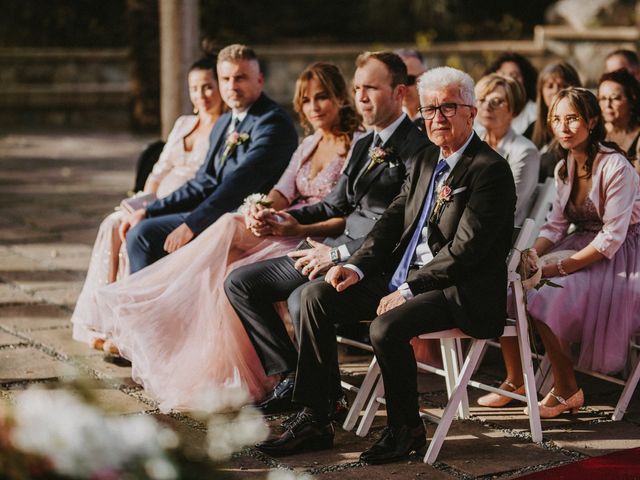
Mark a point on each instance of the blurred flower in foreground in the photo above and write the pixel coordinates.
(287, 475)
(82, 441)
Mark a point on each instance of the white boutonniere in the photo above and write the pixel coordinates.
(378, 155)
(233, 140)
(252, 200)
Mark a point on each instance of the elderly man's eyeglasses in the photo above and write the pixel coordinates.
(446, 109)
(571, 121)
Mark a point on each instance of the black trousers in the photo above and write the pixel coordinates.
(322, 307)
(252, 290)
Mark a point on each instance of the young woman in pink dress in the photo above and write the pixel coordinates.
(598, 307)
(173, 320)
(181, 157)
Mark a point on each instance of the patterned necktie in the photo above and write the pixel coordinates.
(400, 275)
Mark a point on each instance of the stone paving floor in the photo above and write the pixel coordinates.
(55, 189)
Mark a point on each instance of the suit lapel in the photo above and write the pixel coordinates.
(427, 165)
(394, 146)
(244, 126)
(455, 180)
(217, 137)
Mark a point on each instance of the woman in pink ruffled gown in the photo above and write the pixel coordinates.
(173, 320)
(598, 307)
(179, 161)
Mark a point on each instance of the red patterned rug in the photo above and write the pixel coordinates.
(622, 465)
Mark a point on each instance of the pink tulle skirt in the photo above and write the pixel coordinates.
(174, 322)
(597, 310)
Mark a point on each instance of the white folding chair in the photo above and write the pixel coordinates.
(458, 380)
(544, 194)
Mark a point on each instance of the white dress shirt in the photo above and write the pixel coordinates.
(423, 254)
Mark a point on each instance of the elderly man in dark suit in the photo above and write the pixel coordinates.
(250, 147)
(435, 260)
(378, 166)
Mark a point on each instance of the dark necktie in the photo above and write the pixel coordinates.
(227, 148)
(400, 275)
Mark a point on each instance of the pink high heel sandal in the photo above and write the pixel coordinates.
(495, 400)
(573, 404)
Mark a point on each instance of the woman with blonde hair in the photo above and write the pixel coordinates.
(498, 98)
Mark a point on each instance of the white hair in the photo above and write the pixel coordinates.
(440, 78)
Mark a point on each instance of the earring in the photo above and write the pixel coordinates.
(591, 131)
(195, 111)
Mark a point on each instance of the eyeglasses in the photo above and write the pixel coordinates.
(411, 80)
(572, 121)
(446, 109)
(492, 103)
(615, 99)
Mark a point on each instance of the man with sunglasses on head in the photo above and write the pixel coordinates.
(435, 260)
(415, 67)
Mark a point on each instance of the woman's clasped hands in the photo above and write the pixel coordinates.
(264, 221)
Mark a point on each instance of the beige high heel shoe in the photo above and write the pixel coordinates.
(110, 347)
(495, 400)
(573, 403)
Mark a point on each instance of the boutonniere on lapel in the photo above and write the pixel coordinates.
(443, 196)
(233, 140)
(378, 155)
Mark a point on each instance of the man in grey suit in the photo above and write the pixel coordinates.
(379, 163)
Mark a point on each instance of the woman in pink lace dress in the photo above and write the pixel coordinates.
(589, 319)
(173, 320)
(181, 157)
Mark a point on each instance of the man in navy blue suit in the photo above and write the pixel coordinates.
(250, 147)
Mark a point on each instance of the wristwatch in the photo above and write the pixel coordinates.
(334, 254)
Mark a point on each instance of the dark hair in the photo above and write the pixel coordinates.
(332, 80)
(631, 89)
(629, 55)
(541, 135)
(208, 62)
(392, 61)
(529, 72)
(586, 105)
(410, 53)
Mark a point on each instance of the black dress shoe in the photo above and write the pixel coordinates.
(303, 434)
(397, 443)
(279, 400)
(340, 409)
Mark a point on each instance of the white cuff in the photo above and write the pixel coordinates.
(344, 252)
(355, 269)
(405, 291)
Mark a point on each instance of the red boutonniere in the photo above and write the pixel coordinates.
(443, 196)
